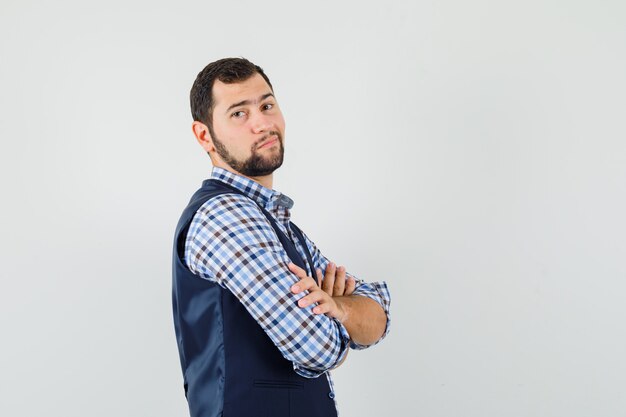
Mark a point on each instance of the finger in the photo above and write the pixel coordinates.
(329, 278)
(300, 273)
(315, 296)
(325, 303)
(327, 306)
(320, 277)
(350, 286)
(323, 308)
(307, 283)
(340, 281)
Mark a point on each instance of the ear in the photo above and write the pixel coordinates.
(201, 132)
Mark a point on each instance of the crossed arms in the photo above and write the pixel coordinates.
(364, 319)
(245, 257)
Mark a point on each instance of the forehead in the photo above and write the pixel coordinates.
(224, 95)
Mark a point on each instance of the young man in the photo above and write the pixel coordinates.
(256, 333)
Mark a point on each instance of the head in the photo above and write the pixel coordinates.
(236, 117)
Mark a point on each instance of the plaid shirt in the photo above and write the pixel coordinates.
(231, 242)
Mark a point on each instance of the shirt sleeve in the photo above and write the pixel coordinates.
(377, 291)
(230, 242)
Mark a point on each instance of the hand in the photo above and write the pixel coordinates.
(326, 304)
(334, 282)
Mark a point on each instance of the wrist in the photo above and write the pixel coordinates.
(343, 309)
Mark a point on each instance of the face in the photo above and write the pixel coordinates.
(248, 126)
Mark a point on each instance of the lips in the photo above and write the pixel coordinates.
(273, 139)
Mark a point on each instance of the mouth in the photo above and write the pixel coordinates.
(270, 141)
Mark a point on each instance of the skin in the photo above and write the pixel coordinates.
(257, 126)
(248, 123)
(334, 281)
(363, 318)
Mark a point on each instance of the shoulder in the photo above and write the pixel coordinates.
(232, 215)
(229, 204)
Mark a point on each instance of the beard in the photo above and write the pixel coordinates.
(256, 165)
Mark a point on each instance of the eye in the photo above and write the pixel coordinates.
(268, 106)
(238, 114)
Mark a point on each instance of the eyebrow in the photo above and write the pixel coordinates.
(246, 102)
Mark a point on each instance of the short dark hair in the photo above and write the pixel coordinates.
(228, 71)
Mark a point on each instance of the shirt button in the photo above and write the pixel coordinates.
(331, 395)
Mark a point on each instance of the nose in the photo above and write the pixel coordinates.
(260, 122)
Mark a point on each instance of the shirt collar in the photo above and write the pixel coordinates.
(262, 195)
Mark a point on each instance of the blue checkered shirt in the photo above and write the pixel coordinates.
(231, 242)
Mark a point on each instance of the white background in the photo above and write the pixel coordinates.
(471, 154)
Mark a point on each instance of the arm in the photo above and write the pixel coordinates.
(364, 319)
(230, 242)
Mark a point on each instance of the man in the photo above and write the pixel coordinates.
(256, 333)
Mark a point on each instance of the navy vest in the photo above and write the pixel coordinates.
(230, 366)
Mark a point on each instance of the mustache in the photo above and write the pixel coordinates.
(264, 138)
